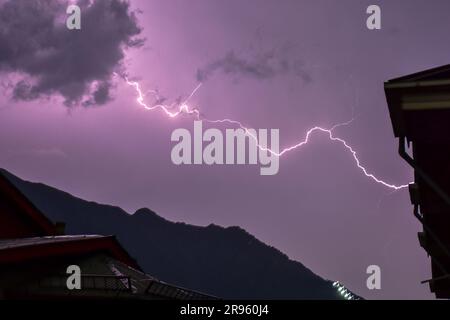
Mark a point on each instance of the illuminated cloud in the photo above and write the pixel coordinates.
(262, 66)
(50, 59)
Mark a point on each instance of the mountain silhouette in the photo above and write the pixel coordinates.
(226, 262)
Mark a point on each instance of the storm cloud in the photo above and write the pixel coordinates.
(262, 66)
(45, 58)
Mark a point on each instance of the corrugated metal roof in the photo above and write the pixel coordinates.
(144, 284)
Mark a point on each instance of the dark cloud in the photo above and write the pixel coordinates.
(262, 66)
(50, 59)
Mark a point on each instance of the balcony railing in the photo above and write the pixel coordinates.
(90, 282)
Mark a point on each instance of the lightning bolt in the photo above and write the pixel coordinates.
(182, 108)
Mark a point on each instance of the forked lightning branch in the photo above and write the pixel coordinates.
(261, 142)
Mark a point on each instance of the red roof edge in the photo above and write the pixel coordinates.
(83, 246)
(39, 219)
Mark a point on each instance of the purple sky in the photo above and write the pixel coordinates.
(320, 209)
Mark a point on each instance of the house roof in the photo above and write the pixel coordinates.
(27, 249)
(47, 243)
(442, 72)
(419, 103)
(28, 210)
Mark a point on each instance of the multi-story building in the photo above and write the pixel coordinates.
(419, 105)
